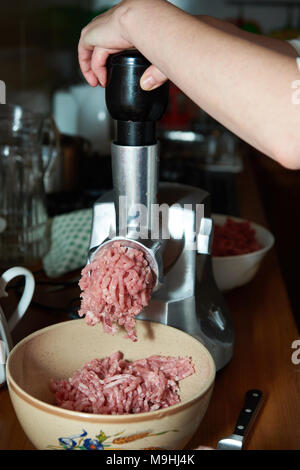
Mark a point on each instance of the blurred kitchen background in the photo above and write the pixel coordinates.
(38, 62)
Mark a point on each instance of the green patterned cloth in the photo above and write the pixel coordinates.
(70, 238)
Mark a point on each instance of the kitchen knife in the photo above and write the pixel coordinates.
(252, 405)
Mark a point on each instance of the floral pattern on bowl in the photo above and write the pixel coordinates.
(101, 441)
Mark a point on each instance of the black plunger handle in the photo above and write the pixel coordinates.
(135, 110)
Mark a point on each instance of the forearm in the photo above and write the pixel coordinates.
(271, 43)
(242, 80)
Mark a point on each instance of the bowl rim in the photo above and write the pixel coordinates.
(103, 418)
(253, 225)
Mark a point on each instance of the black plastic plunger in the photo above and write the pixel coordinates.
(135, 110)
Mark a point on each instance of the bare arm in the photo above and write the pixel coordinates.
(243, 80)
(265, 41)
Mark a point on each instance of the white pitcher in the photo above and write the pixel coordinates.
(6, 327)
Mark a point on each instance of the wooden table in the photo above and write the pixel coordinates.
(264, 329)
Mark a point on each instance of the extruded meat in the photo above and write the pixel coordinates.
(116, 286)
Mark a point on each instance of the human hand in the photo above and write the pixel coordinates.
(107, 34)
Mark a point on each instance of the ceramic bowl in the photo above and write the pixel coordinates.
(234, 271)
(57, 351)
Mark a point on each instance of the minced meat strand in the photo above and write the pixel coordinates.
(116, 286)
(115, 386)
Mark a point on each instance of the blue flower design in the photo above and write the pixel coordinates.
(69, 443)
(92, 444)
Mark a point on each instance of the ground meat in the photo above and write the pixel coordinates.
(115, 386)
(234, 238)
(116, 286)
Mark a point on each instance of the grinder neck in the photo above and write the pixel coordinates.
(135, 181)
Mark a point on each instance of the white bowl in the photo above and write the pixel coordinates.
(234, 271)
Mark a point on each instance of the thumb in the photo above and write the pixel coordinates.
(152, 78)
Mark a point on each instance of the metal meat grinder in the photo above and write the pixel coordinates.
(169, 222)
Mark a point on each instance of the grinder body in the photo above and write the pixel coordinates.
(185, 294)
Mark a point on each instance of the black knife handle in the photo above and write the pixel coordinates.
(253, 401)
